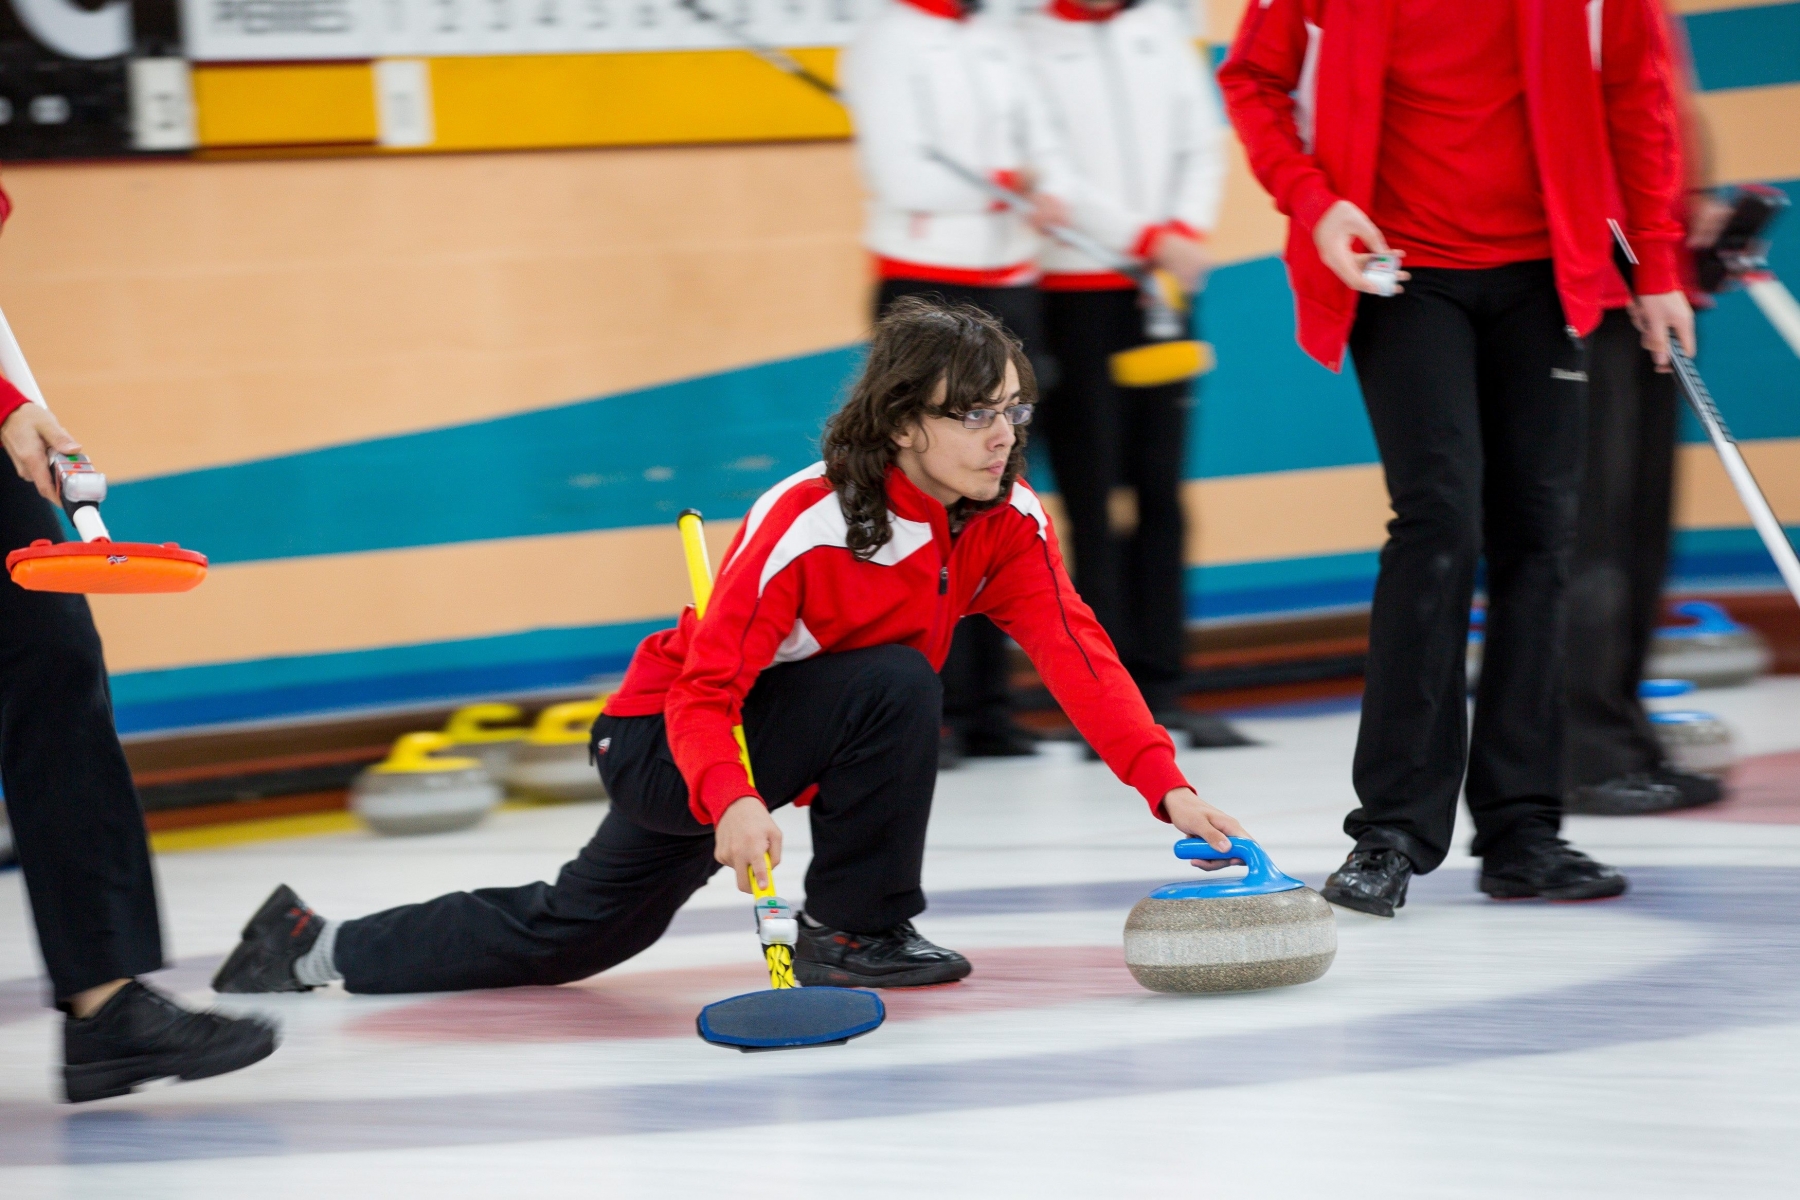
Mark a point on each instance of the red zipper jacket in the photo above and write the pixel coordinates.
(11, 398)
(790, 588)
(1601, 100)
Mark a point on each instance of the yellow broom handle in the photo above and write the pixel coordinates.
(699, 565)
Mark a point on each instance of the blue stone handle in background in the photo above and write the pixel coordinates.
(1261, 876)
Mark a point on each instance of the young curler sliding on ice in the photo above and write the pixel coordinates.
(832, 613)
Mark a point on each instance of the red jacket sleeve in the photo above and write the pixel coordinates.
(1637, 80)
(1258, 81)
(1028, 594)
(11, 399)
(745, 624)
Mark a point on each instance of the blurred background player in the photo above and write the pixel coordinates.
(1616, 763)
(1129, 101)
(924, 75)
(76, 821)
(1414, 127)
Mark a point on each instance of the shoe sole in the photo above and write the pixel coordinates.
(122, 1076)
(811, 974)
(1598, 889)
(1373, 908)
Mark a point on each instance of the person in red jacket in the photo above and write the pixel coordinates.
(832, 613)
(1481, 142)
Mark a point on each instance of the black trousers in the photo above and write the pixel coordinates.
(1476, 392)
(1621, 556)
(976, 693)
(75, 815)
(863, 725)
(1102, 437)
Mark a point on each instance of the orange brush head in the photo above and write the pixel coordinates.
(103, 566)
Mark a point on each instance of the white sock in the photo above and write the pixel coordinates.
(316, 967)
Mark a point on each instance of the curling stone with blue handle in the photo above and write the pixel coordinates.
(1715, 651)
(414, 792)
(488, 732)
(1695, 742)
(1263, 930)
(552, 763)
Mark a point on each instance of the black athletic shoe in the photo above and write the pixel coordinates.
(998, 739)
(140, 1035)
(897, 957)
(1550, 868)
(1371, 881)
(1626, 796)
(276, 938)
(1204, 730)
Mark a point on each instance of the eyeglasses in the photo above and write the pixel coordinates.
(981, 418)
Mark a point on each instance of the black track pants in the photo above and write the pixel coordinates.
(975, 673)
(1101, 437)
(1621, 556)
(863, 725)
(1476, 392)
(74, 812)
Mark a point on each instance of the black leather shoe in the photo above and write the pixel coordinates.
(1204, 730)
(897, 957)
(277, 937)
(1550, 868)
(998, 739)
(140, 1035)
(1628, 795)
(1697, 791)
(1371, 881)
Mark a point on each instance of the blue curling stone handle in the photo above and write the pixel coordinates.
(1261, 877)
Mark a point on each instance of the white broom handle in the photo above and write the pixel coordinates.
(1761, 515)
(13, 365)
(1777, 304)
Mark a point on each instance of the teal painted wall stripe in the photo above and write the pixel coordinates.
(1746, 47)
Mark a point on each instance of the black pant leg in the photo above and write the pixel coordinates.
(1621, 553)
(976, 689)
(863, 726)
(1533, 407)
(1156, 552)
(1082, 426)
(1415, 357)
(75, 814)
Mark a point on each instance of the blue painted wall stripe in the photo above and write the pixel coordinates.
(1746, 47)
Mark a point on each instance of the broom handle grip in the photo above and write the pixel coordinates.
(14, 366)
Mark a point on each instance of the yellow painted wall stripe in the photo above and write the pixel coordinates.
(1754, 133)
(284, 105)
(239, 833)
(389, 598)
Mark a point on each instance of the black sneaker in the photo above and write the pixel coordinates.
(140, 1035)
(1204, 730)
(1626, 796)
(276, 938)
(998, 739)
(1371, 881)
(897, 957)
(1551, 869)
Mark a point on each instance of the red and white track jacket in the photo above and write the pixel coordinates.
(915, 80)
(790, 588)
(1304, 85)
(11, 398)
(1130, 100)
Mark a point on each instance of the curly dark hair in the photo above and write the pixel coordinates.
(920, 341)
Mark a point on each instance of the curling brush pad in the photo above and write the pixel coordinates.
(106, 567)
(791, 1018)
(1160, 363)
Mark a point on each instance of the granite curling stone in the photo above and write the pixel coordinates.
(1695, 742)
(488, 732)
(413, 792)
(1714, 651)
(1264, 930)
(552, 763)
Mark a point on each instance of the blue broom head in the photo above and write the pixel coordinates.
(790, 1018)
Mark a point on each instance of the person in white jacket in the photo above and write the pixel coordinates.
(936, 75)
(1127, 96)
